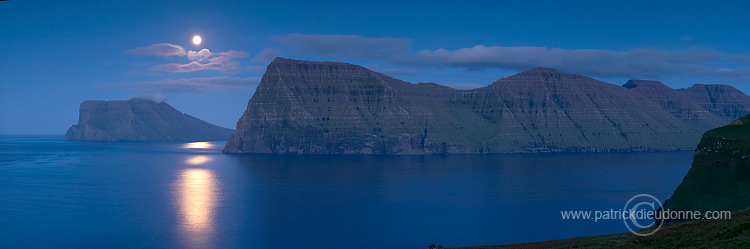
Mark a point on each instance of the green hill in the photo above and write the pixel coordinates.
(720, 176)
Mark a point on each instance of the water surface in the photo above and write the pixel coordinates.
(56, 194)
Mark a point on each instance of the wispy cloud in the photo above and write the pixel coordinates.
(266, 55)
(217, 64)
(198, 60)
(161, 49)
(206, 60)
(632, 63)
(203, 59)
(205, 54)
(347, 45)
(596, 62)
(191, 85)
(201, 55)
(234, 54)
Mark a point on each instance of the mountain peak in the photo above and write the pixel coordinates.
(278, 60)
(141, 100)
(544, 72)
(644, 83)
(292, 64)
(721, 87)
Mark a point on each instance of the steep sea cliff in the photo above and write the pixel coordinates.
(305, 107)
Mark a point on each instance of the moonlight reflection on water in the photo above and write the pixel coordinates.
(196, 198)
(198, 145)
(198, 160)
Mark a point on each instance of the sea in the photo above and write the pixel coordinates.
(61, 194)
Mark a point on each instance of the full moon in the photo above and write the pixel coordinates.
(197, 40)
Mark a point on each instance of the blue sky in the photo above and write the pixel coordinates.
(56, 54)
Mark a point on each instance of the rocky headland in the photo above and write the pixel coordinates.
(719, 179)
(140, 120)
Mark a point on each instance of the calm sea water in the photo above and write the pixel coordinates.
(57, 194)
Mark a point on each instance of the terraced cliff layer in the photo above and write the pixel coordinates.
(139, 120)
(719, 179)
(337, 108)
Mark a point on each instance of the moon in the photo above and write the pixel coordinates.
(197, 40)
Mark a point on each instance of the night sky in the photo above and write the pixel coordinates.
(56, 54)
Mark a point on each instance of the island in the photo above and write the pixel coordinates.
(140, 120)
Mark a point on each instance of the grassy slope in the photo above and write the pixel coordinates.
(733, 233)
(720, 176)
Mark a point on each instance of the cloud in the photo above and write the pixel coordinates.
(595, 62)
(206, 60)
(266, 55)
(347, 45)
(738, 74)
(156, 97)
(205, 54)
(221, 64)
(632, 63)
(161, 49)
(191, 85)
(202, 55)
(234, 54)
(199, 60)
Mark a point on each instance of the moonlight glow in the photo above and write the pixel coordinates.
(197, 40)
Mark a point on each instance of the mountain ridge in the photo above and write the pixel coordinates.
(308, 107)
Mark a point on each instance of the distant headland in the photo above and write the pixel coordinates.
(140, 120)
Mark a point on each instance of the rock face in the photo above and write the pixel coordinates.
(140, 120)
(719, 179)
(337, 108)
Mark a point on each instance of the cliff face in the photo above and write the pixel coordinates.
(719, 178)
(140, 120)
(335, 108)
(338, 108)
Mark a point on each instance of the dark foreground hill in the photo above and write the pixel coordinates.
(140, 120)
(719, 178)
(309, 107)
